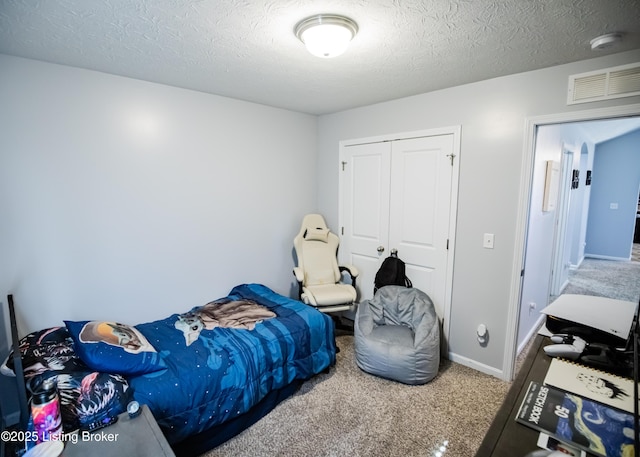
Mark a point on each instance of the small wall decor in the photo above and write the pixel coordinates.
(551, 184)
(588, 180)
(575, 180)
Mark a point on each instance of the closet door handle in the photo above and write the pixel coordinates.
(381, 249)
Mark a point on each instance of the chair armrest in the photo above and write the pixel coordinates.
(351, 269)
(427, 332)
(364, 322)
(299, 274)
(353, 272)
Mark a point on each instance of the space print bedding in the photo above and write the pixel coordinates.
(196, 371)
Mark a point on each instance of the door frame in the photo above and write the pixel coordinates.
(560, 238)
(524, 208)
(453, 210)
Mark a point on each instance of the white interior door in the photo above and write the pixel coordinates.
(365, 208)
(401, 194)
(419, 216)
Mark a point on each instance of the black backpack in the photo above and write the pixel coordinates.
(391, 273)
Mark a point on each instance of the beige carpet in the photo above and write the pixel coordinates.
(350, 413)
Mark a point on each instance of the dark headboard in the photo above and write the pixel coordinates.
(17, 366)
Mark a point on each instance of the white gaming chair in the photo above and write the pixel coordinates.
(318, 273)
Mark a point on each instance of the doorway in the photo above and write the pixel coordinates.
(524, 318)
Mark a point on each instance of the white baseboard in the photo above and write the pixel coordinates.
(607, 257)
(532, 333)
(477, 366)
(564, 286)
(576, 266)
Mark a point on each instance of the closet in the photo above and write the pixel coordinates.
(400, 193)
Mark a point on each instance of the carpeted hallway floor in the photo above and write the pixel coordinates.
(606, 278)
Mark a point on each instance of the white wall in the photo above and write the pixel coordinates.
(610, 230)
(127, 200)
(493, 115)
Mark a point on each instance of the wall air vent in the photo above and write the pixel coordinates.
(616, 82)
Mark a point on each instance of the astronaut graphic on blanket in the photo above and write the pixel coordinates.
(241, 314)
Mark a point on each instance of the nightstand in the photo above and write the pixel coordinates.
(137, 437)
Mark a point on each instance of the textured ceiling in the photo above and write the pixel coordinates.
(246, 49)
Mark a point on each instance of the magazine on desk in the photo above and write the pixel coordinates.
(590, 383)
(550, 443)
(589, 426)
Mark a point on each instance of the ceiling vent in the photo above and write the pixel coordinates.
(616, 82)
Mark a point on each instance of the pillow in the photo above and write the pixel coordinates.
(112, 347)
(47, 349)
(317, 234)
(87, 396)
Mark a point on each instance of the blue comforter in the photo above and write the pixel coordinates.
(216, 375)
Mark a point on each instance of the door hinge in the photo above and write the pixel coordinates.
(447, 244)
(342, 230)
(343, 164)
(451, 156)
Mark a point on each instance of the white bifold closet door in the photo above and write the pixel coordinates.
(398, 195)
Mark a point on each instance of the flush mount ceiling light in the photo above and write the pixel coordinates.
(326, 35)
(605, 41)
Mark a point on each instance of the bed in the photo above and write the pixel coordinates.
(206, 374)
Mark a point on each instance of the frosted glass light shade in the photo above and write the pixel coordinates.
(326, 36)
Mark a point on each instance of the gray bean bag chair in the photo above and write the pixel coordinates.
(397, 335)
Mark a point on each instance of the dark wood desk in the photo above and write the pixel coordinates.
(506, 437)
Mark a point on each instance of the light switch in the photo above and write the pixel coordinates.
(613, 206)
(488, 241)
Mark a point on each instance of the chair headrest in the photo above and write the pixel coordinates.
(317, 234)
